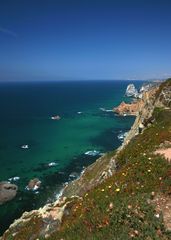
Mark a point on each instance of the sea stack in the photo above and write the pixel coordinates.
(131, 91)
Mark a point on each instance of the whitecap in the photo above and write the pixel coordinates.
(35, 188)
(106, 110)
(14, 179)
(25, 146)
(58, 195)
(92, 153)
(122, 135)
(52, 164)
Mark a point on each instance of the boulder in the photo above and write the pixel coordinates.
(7, 191)
(34, 184)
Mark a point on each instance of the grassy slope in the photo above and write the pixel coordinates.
(120, 207)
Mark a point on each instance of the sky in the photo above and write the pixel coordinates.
(84, 39)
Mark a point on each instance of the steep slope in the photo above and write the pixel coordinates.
(116, 196)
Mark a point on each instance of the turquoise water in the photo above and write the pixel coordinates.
(26, 110)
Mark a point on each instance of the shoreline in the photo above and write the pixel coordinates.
(75, 188)
(63, 193)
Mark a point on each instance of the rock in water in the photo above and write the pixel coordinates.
(7, 191)
(131, 91)
(33, 184)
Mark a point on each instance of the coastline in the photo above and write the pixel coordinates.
(51, 141)
(111, 166)
(96, 173)
(78, 187)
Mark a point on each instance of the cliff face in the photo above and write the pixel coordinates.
(99, 176)
(144, 114)
(158, 96)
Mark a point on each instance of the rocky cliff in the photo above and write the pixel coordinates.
(126, 109)
(107, 192)
(156, 96)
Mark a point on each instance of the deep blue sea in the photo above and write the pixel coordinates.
(26, 110)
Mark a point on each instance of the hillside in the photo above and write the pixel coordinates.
(126, 194)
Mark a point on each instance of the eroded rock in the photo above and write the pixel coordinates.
(34, 184)
(127, 108)
(7, 191)
(131, 91)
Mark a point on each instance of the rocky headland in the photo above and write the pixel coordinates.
(125, 109)
(123, 195)
(132, 91)
(138, 96)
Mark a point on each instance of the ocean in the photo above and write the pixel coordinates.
(26, 111)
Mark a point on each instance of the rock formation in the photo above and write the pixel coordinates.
(127, 108)
(131, 91)
(7, 191)
(145, 87)
(157, 96)
(34, 184)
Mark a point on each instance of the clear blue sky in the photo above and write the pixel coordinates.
(85, 39)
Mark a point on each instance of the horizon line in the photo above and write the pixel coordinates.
(78, 80)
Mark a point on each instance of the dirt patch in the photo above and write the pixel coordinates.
(165, 152)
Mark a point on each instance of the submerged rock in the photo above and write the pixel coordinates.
(7, 191)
